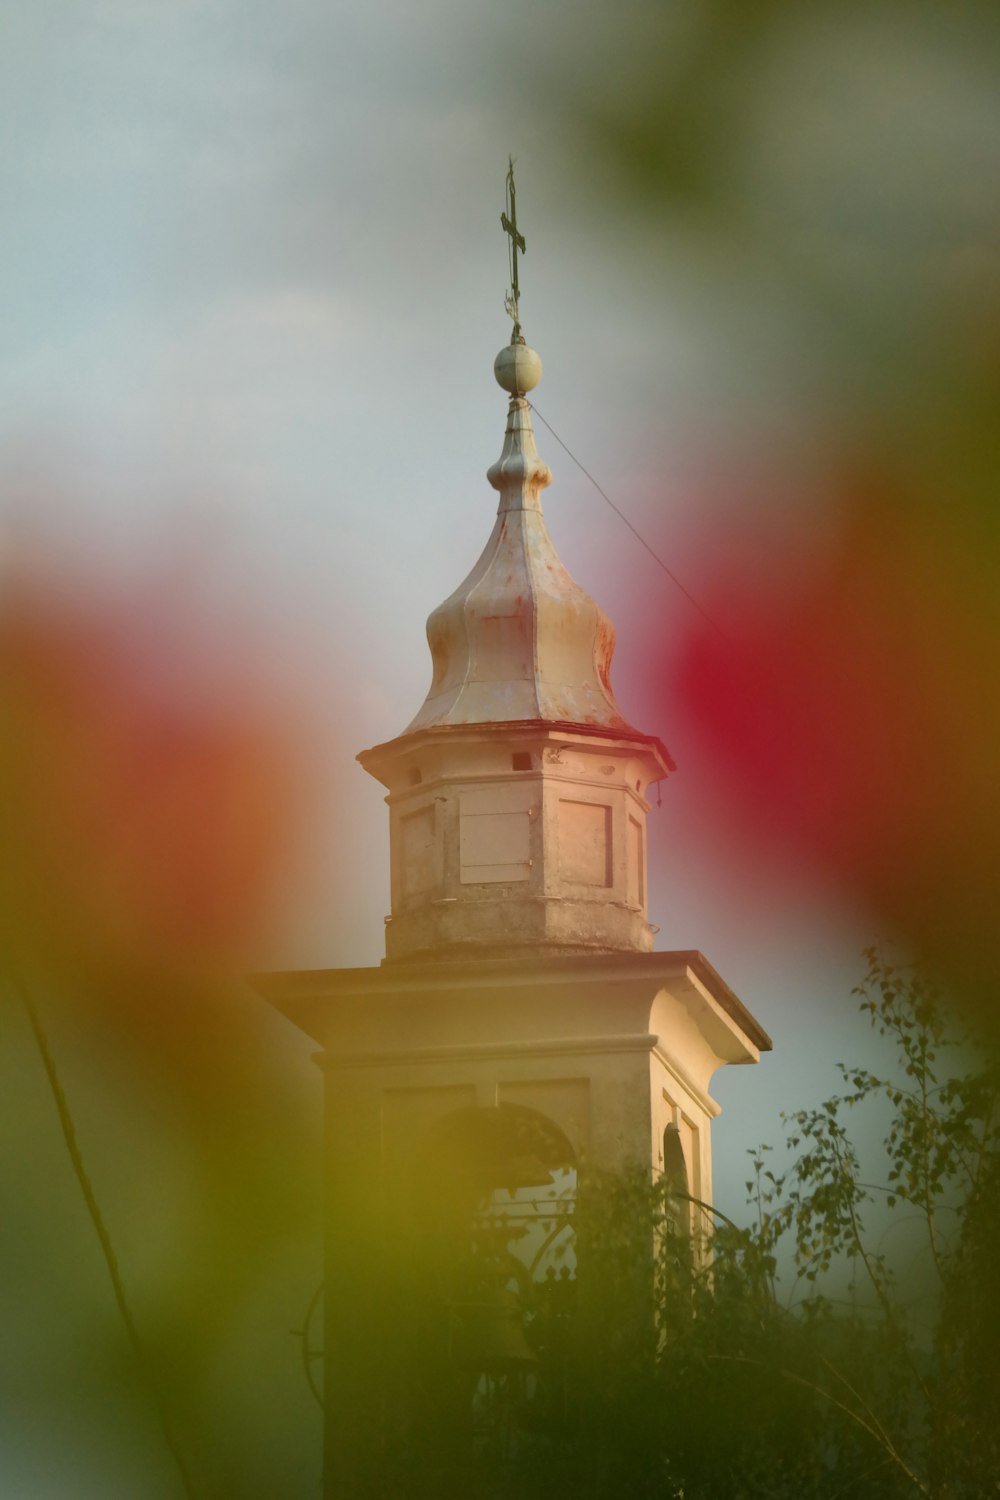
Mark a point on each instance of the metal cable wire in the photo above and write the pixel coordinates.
(621, 515)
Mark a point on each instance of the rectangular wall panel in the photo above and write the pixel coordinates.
(495, 846)
(417, 852)
(636, 894)
(585, 843)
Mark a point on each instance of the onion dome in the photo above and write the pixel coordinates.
(519, 639)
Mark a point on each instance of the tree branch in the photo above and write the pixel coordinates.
(101, 1230)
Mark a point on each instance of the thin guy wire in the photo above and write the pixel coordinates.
(620, 514)
(101, 1230)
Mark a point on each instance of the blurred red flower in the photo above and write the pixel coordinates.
(147, 802)
(855, 711)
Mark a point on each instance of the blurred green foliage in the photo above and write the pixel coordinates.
(690, 1369)
(888, 1390)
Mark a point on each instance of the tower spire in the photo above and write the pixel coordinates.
(517, 368)
(509, 224)
(517, 794)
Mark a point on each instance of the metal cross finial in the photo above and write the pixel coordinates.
(512, 299)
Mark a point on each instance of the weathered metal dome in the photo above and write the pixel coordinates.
(519, 639)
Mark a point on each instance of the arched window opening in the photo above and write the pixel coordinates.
(675, 1174)
(497, 1193)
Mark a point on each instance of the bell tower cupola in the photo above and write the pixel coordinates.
(517, 794)
(520, 1023)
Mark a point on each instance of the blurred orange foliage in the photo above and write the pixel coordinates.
(148, 807)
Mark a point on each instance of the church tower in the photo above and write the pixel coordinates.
(520, 1020)
(517, 808)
